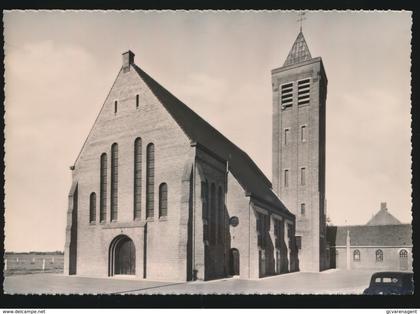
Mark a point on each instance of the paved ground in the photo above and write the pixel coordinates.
(329, 282)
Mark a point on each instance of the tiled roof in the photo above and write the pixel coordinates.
(299, 52)
(379, 235)
(199, 131)
(383, 217)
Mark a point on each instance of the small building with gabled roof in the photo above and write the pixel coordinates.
(384, 243)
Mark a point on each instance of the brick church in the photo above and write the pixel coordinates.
(157, 193)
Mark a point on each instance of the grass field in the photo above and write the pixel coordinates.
(31, 263)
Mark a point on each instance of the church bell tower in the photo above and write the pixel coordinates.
(299, 99)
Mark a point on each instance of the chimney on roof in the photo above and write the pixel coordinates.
(128, 59)
(383, 206)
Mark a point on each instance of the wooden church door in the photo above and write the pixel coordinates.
(125, 257)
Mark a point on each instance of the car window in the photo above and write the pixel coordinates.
(389, 280)
(392, 280)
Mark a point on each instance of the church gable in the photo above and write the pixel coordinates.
(130, 110)
(131, 114)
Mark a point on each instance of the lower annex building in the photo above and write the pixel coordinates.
(383, 243)
(158, 193)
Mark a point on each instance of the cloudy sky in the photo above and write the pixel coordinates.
(61, 65)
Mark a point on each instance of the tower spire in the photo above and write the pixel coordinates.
(299, 52)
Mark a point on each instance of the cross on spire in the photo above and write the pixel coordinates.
(301, 19)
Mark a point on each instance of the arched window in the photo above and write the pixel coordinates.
(163, 200)
(379, 255)
(221, 215)
(103, 186)
(150, 180)
(205, 204)
(213, 214)
(92, 207)
(137, 178)
(114, 181)
(403, 253)
(356, 255)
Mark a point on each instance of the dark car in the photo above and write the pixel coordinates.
(391, 283)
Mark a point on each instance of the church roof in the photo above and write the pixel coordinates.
(383, 217)
(199, 131)
(299, 52)
(365, 235)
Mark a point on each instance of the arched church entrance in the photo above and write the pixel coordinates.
(122, 256)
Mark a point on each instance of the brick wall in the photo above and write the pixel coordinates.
(391, 258)
(297, 154)
(166, 241)
(243, 235)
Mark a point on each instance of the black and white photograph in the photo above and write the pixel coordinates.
(208, 152)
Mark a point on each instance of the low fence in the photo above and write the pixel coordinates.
(33, 263)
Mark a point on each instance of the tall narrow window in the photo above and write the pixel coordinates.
(221, 215)
(277, 244)
(114, 182)
(137, 178)
(137, 101)
(302, 209)
(298, 240)
(286, 178)
(304, 88)
(286, 136)
(150, 180)
(302, 176)
(163, 200)
(115, 106)
(259, 230)
(103, 186)
(356, 255)
(286, 95)
(277, 234)
(213, 207)
(92, 207)
(262, 228)
(205, 202)
(379, 255)
(303, 133)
